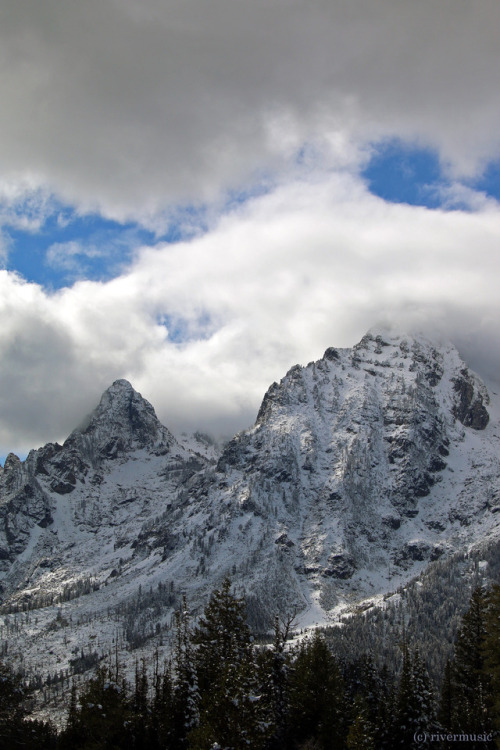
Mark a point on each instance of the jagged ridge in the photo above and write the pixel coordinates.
(361, 468)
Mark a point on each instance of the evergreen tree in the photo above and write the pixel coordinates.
(140, 723)
(361, 735)
(71, 733)
(186, 694)
(16, 730)
(162, 705)
(230, 713)
(376, 689)
(414, 710)
(447, 705)
(491, 655)
(104, 720)
(12, 708)
(317, 702)
(274, 677)
(470, 679)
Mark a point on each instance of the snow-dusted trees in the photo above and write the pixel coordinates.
(414, 705)
(274, 666)
(104, 717)
(361, 735)
(471, 680)
(466, 688)
(230, 712)
(317, 704)
(222, 691)
(16, 730)
(186, 696)
(491, 654)
(470, 692)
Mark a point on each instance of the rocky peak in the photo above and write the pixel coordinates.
(12, 462)
(362, 467)
(122, 421)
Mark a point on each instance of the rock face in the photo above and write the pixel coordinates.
(122, 430)
(366, 460)
(470, 408)
(122, 422)
(361, 468)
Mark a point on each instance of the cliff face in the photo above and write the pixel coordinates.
(361, 469)
(375, 460)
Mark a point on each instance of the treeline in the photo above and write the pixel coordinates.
(70, 591)
(428, 610)
(223, 692)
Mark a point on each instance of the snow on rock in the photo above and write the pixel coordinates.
(361, 468)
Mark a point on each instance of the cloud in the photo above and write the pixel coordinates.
(128, 108)
(69, 255)
(24, 205)
(202, 327)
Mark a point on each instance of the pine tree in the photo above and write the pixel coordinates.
(186, 694)
(447, 705)
(317, 703)
(104, 720)
(361, 735)
(274, 676)
(471, 682)
(491, 655)
(70, 735)
(12, 708)
(414, 709)
(162, 705)
(230, 712)
(140, 723)
(16, 730)
(376, 688)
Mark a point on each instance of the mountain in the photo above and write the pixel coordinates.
(361, 469)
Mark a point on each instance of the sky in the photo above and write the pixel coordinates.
(197, 196)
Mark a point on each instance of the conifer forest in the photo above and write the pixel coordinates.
(228, 689)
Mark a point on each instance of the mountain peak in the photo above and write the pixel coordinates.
(120, 385)
(118, 397)
(122, 421)
(363, 468)
(382, 359)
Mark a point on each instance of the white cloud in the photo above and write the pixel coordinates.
(127, 108)
(69, 255)
(24, 204)
(309, 265)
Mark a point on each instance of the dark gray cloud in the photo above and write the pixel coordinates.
(128, 106)
(134, 108)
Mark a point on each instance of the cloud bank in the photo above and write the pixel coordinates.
(203, 327)
(127, 107)
(162, 115)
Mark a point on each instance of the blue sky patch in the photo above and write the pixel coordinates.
(403, 174)
(58, 246)
(66, 246)
(62, 246)
(181, 330)
(69, 247)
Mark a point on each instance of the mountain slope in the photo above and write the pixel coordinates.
(67, 509)
(361, 468)
(366, 465)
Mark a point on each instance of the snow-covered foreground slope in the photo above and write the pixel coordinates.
(361, 468)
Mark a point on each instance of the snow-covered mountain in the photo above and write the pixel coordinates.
(361, 469)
